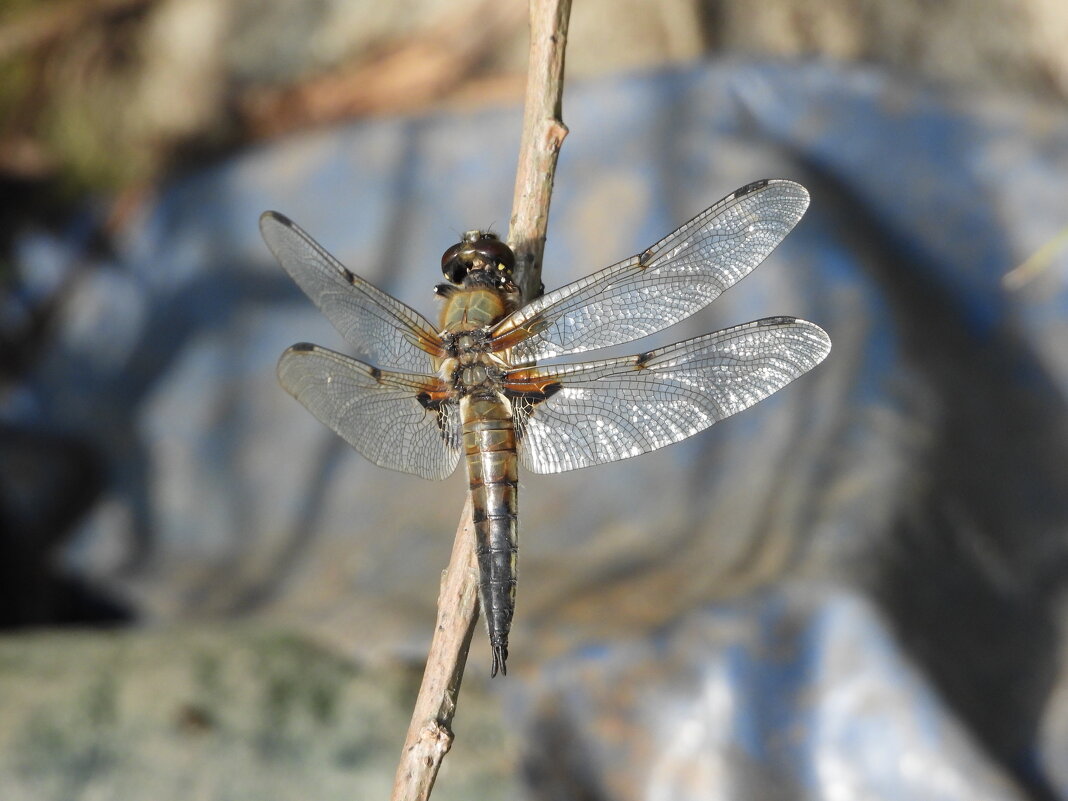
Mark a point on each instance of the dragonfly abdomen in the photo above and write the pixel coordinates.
(490, 451)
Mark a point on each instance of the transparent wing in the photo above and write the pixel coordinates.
(577, 415)
(676, 277)
(383, 330)
(400, 421)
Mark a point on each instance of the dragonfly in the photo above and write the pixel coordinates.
(421, 395)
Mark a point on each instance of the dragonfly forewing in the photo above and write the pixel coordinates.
(679, 275)
(383, 330)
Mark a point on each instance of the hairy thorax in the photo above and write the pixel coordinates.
(470, 367)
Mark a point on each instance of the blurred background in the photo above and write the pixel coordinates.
(854, 590)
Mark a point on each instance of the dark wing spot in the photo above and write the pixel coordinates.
(376, 374)
(753, 187)
(525, 403)
(533, 397)
(642, 359)
(446, 411)
(279, 218)
(349, 275)
(303, 347)
(776, 321)
(645, 257)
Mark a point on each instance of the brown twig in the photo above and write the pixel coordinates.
(543, 134)
(430, 734)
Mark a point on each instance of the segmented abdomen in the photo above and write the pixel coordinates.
(490, 450)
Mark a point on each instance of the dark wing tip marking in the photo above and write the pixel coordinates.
(774, 321)
(815, 334)
(641, 359)
(376, 374)
(298, 348)
(787, 186)
(751, 187)
(275, 216)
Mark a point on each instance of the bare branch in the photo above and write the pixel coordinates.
(430, 734)
(543, 134)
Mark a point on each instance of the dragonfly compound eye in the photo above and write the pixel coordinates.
(455, 262)
(496, 253)
(478, 251)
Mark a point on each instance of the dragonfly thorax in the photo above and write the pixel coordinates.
(467, 345)
(475, 375)
(470, 365)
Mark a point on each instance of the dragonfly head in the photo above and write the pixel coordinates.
(478, 252)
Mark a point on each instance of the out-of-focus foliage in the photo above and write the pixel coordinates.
(108, 94)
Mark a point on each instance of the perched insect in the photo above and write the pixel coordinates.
(472, 385)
